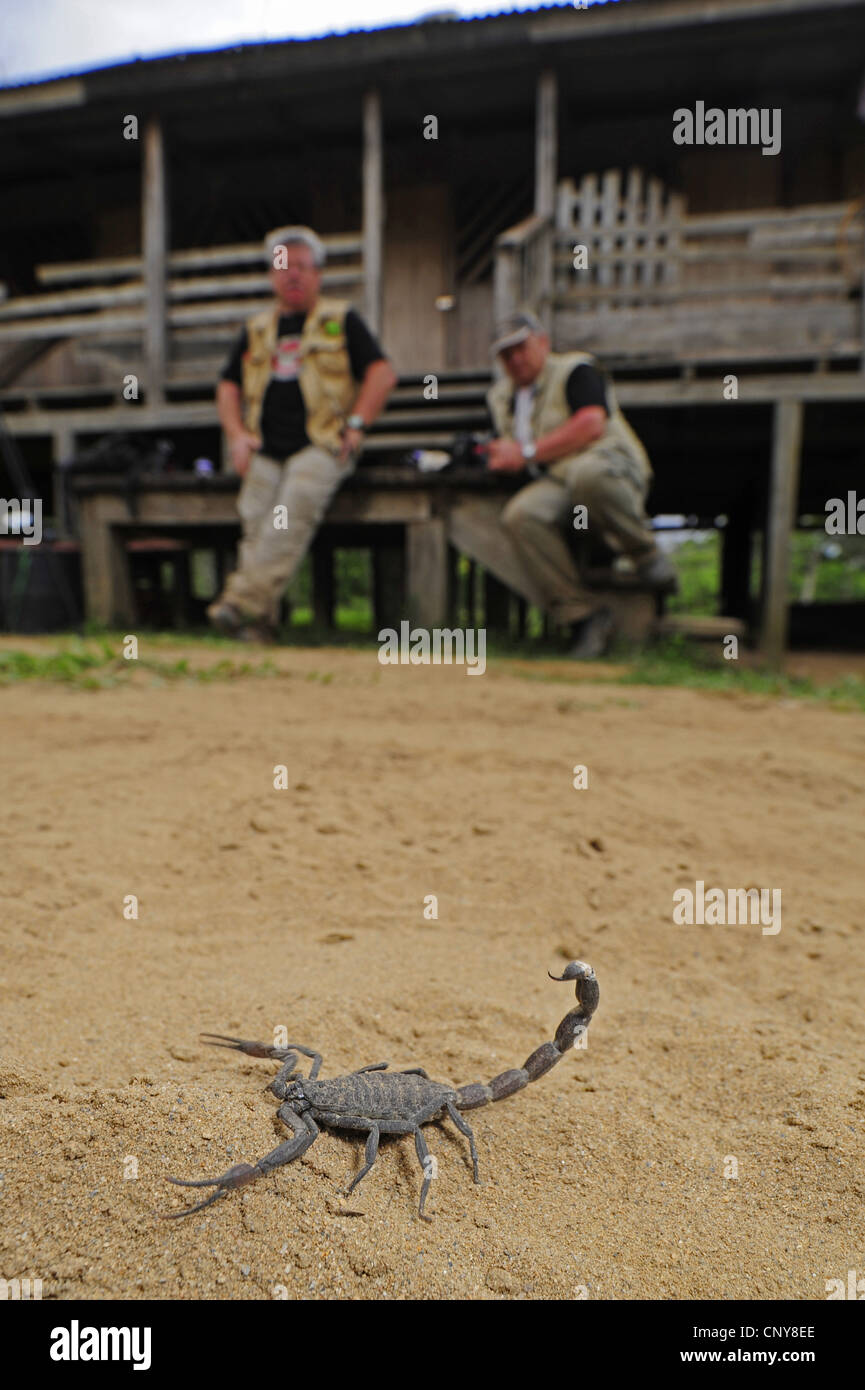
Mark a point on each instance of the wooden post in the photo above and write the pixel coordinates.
(108, 596)
(546, 168)
(63, 448)
(388, 581)
(506, 282)
(154, 238)
(323, 586)
(373, 207)
(736, 563)
(454, 588)
(497, 606)
(427, 572)
(546, 144)
(780, 521)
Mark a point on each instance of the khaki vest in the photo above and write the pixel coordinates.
(550, 409)
(326, 383)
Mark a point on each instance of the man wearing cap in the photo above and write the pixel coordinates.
(556, 415)
(304, 380)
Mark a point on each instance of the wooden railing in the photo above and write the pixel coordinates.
(660, 283)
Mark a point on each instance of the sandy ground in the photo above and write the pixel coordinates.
(304, 908)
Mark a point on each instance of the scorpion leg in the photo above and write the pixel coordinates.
(465, 1129)
(423, 1154)
(371, 1066)
(414, 1071)
(369, 1156)
(305, 1133)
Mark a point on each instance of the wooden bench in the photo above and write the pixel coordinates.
(414, 523)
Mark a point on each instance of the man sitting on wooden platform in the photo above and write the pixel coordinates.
(556, 415)
(305, 379)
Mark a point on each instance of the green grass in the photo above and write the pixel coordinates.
(101, 666)
(95, 662)
(689, 665)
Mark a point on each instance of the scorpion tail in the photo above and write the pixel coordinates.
(544, 1058)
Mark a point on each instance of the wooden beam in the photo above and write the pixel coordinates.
(783, 495)
(203, 258)
(154, 241)
(373, 207)
(108, 596)
(546, 144)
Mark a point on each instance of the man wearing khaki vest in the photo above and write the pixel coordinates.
(556, 415)
(304, 380)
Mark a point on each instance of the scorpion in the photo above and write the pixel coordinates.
(398, 1103)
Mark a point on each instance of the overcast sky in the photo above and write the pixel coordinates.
(46, 38)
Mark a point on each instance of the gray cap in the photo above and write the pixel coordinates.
(515, 329)
(287, 236)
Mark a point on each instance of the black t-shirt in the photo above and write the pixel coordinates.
(585, 386)
(283, 417)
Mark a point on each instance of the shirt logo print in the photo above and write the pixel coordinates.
(285, 362)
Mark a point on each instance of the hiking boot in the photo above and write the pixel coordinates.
(226, 618)
(593, 635)
(658, 572)
(232, 623)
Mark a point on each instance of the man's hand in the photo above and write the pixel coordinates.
(351, 442)
(243, 446)
(505, 456)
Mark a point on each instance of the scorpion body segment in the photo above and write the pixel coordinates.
(376, 1101)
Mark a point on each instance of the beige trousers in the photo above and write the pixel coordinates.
(274, 543)
(612, 486)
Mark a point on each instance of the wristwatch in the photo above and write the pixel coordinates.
(529, 451)
(356, 422)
